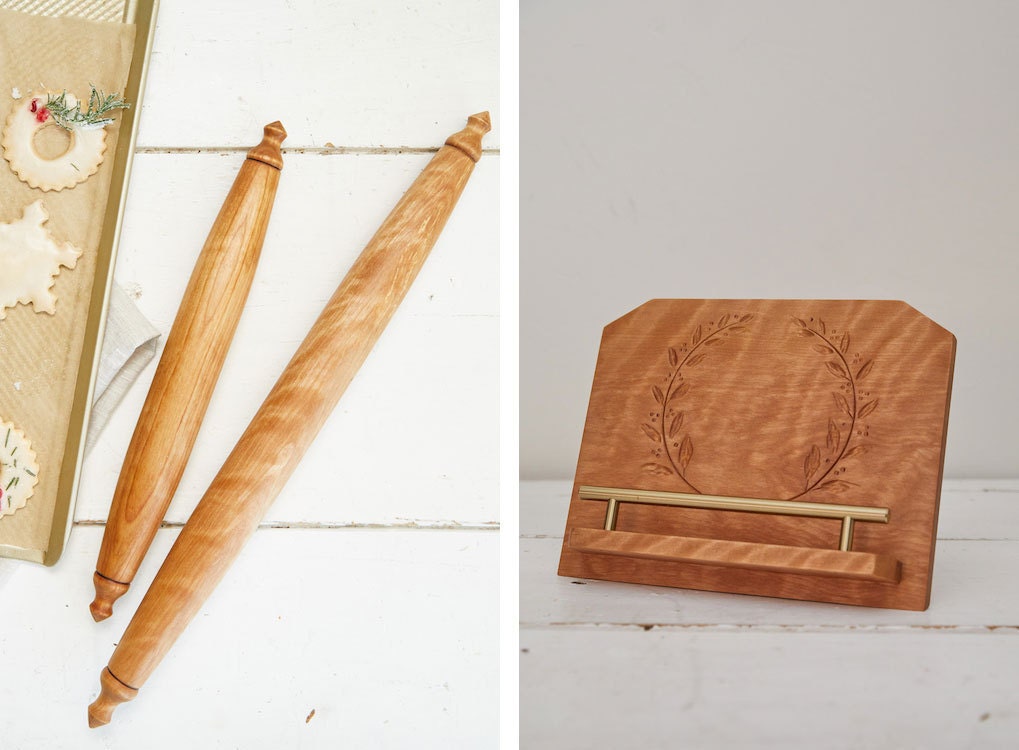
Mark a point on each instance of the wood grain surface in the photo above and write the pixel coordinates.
(188, 370)
(777, 558)
(822, 401)
(292, 414)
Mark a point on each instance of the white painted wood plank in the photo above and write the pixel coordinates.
(543, 508)
(415, 438)
(975, 587)
(970, 509)
(356, 73)
(979, 509)
(668, 689)
(390, 636)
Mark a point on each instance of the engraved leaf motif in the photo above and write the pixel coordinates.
(723, 320)
(840, 401)
(676, 424)
(695, 360)
(746, 318)
(856, 450)
(685, 452)
(836, 486)
(657, 392)
(834, 438)
(805, 333)
(820, 324)
(812, 462)
(800, 323)
(650, 431)
(656, 469)
(714, 342)
(821, 349)
(844, 345)
(697, 335)
(737, 329)
(835, 369)
(868, 408)
(681, 390)
(673, 357)
(865, 370)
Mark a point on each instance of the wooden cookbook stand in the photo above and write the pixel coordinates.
(789, 448)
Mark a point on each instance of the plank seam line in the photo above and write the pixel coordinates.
(748, 628)
(319, 150)
(412, 526)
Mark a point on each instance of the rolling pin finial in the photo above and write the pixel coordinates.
(192, 359)
(112, 692)
(468, 140)
(107, 592)
(268, 151)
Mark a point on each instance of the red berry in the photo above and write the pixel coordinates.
(42, 115)
(34, 106)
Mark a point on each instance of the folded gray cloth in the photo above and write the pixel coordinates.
(129, 345)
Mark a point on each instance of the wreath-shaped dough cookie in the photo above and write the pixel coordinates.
(19, 472)
(77, 164)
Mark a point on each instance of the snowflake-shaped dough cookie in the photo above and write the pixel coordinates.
(19, 472)
(29, 261)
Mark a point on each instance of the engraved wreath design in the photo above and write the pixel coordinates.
(674, 449)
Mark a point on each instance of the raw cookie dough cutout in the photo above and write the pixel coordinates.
(19, 471)
(29, 261)
(81, 160)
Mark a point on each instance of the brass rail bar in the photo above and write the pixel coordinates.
(848, 514)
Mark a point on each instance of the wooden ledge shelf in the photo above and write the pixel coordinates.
(750, 555)
(840, 563)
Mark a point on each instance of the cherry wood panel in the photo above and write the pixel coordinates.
(823, 401)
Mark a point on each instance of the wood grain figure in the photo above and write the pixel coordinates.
(290, 417)
(188, 370)
(812, 403)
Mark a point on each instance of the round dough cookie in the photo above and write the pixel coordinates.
(77, 164)
(19, 472)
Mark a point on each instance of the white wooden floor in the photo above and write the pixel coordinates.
(368, 601)
(616, 665)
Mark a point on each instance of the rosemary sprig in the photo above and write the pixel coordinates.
(99, 104)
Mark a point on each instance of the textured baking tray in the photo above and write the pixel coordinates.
(142, 13)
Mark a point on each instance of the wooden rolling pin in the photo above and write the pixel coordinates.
(289, 418)
(188, 370)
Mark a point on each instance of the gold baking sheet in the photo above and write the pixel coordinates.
(39, 531)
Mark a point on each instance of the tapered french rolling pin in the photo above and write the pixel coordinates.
(289, 418)
(188, 370)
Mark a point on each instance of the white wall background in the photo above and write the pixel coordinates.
(782, 149)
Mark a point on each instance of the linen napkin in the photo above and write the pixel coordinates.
(129, 344)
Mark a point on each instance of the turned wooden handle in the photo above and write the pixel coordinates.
(188, 370)
(290, 417)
